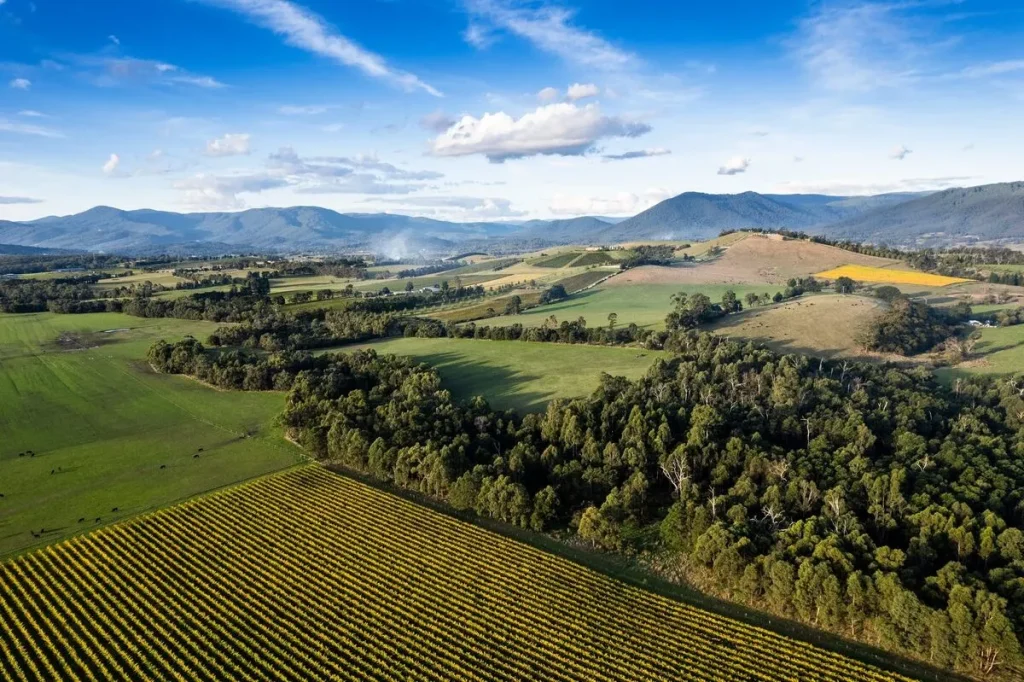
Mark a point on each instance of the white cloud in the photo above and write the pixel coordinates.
(107, 71)
(10, 201)
(548, 94)
(114, 39)
(900, 152)
(232, 144)
(221, 192)
(855, 188)
(478, 36)
(20, 84)
(27, 129)
(621, 203)
(990, 69)
(110, 167)
(466, 209)
(549, 28)
(306, 30)
(437, 121)
(333, 128)
(563, 129)
(861, 46)
(637, 154)
(32, 113)
(734, 166)
(303, 110)
(578, 91)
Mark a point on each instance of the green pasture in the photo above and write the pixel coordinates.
(108, 432)
(999, 352)
(520, 375)
(643, 304)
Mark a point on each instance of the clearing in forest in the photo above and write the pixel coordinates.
(753, 259)
(308, 575)
(865, 273)
(521, 375)
(825, 326)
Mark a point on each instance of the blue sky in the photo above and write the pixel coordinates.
(498, 109)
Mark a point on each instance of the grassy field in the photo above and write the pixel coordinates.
(310, 575)
(866, 273)
(478, 308)
(164, 277)
(104, 424)
(643, 304)
(1000, 352)
(518, 374)
(825, 325)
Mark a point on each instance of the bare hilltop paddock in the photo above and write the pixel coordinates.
(754, 259)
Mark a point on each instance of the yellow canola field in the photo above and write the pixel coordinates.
(867, 273)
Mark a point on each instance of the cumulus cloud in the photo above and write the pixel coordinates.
(18, 200)
(622, 203)
(637, 154)
(578, 91)
(306, 30)
(548, 28)
(437, 121)
(563, 129)
(900, 152)
(232, 144)
(548, 94)
(110, 167)
(20, 84)
(734, 166)
(221, 192)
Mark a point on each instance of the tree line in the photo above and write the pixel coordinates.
(865, 500)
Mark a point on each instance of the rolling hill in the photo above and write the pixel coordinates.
(992, 213)
(693, 215)
(298, 228)
(989, 213)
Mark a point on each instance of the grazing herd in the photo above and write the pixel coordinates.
(60, 470)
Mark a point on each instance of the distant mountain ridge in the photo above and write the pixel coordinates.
(988, 213)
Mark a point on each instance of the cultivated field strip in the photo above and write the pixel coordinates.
(307, 575)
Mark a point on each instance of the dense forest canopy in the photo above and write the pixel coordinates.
(865, 500)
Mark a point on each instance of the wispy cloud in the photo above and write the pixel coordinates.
(108, 70)
(990, 69)
(303, 109)
(854, 188)
(27, 129)
(19, 200)
(862, 46)
(304, 29)
(20, 84)
(637, 154)
(621, 203)
(548, 28)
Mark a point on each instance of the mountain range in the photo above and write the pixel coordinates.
(988, 213)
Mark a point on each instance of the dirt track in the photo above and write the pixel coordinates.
(754, 260)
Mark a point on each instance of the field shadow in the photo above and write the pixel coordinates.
(501, 386)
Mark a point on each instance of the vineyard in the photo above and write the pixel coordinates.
(308, 575)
